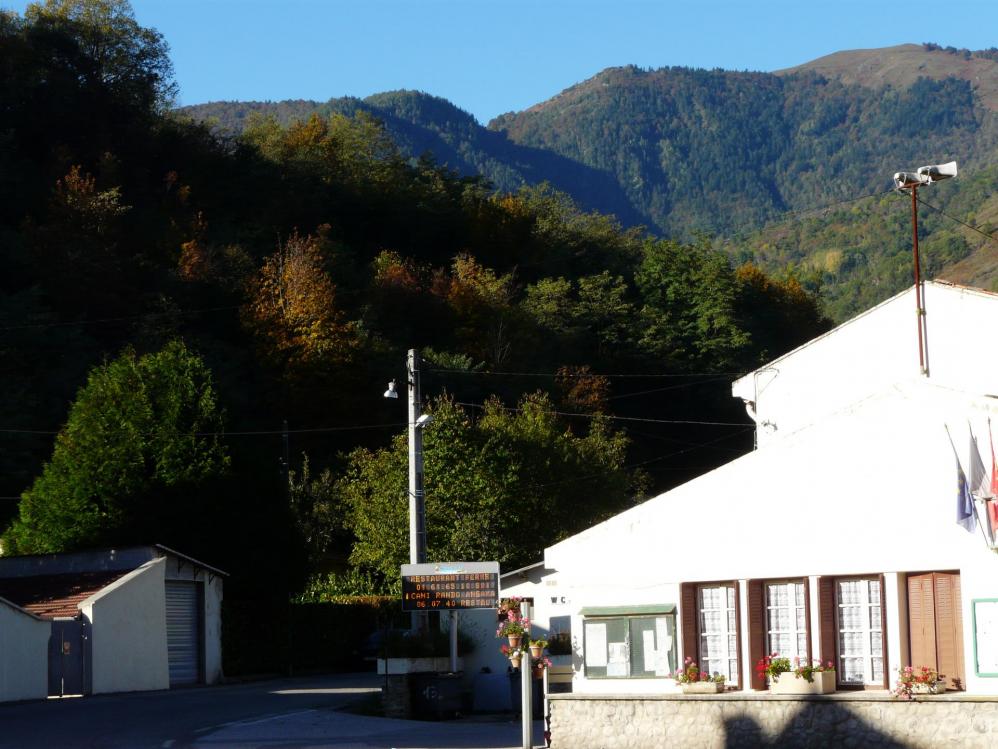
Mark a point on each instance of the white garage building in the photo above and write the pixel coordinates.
(108, 621)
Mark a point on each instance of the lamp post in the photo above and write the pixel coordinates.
(910, 182)
(417, 506)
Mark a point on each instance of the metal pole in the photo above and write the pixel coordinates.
(417, 509)
(417, 517)
(919, 310)
(526, 695)
(453, 641)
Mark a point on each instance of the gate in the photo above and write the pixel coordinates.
(67, 659)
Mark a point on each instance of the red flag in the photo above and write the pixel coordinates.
(992, 505)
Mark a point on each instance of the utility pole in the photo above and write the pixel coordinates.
(911, 181)
(417, 506)
(417, 503)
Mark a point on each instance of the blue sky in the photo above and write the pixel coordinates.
(494, 56)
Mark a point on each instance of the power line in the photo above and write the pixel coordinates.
(984, 234)
(617, 418)
(668, 387)
(583, 375)
(125, 318)
(645, 462)
(247, 433)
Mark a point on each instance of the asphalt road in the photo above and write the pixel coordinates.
(281, 713)
(167, 719)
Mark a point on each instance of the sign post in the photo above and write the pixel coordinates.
(450, 586)
(526, 690)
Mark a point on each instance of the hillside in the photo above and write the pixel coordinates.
(903, 65)
(731, 153)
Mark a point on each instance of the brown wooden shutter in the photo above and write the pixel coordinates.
(807, 618)
(883, 633)
(949, 628)
(827, 636)
(921, 620)
(757, 630)
(738, 632)
(689, 615)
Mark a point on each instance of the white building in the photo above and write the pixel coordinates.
(108, 621)
(836, 539)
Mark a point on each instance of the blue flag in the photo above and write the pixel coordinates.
(964, 500)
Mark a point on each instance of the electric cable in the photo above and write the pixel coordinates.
(617, 418)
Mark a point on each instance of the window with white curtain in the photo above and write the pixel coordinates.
(786, 620)
(860, 635)
(718, 630)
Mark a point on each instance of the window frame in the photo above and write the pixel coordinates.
(700, 632)
(627, 619)
(767, 629)
(869, 681)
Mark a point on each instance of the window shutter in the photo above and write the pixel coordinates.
(827, 635)
(883, 632)
(689, 613)
(757, 631)
(949, 627)
(921, 620)
(807, 619)
(738, 633)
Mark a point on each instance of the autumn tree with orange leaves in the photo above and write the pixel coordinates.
(292, 309)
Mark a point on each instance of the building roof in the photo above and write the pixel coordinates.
(52, 596)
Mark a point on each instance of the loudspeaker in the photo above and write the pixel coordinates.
(937, 172)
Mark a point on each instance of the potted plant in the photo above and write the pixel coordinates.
(511, 624)
(538, 665)
(814, 677)
(514, 653)
(695, 681)
(921, 680)
(537, 648)
(771, 667)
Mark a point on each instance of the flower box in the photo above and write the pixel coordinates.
(702, 687)
(938, 688)
(787, 683)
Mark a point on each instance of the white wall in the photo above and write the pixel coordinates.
(872, 351)
(24, 640)
(872, 489)
(128, 632)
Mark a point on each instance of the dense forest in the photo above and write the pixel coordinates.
(194, 324)
(790, 170)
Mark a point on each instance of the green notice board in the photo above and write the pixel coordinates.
(985, 626)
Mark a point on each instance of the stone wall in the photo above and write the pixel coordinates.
(849, 720)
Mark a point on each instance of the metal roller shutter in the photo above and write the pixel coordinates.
(183, 632)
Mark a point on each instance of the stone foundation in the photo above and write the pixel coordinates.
(852, 720)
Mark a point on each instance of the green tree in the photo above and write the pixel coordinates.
(141, 425)
(690, 315)
(110, 51)
(500, 488)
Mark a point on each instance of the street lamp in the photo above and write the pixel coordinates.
(911, 181)
(417, 421)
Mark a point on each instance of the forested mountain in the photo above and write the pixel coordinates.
(171, 298)
(685, 151)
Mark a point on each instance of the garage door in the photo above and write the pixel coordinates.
(183, 632)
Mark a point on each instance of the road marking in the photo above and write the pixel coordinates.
(266, 719)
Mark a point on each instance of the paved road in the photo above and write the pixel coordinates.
(282, 713)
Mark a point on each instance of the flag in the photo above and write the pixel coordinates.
(980, 485)
(980, 482)
(992, 505)
(964, 501)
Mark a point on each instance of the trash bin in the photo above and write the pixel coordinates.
(436, 695)
(536, 693)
